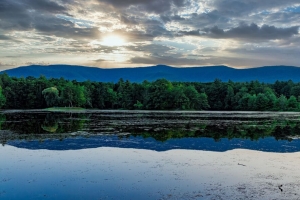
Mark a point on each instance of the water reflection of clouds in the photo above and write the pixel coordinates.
(144, 174)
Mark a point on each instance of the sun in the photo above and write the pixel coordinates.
(113, 41)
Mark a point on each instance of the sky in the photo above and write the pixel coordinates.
(131, 33)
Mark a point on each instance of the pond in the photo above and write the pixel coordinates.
(96, 154)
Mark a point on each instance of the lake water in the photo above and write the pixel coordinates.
(149, 155)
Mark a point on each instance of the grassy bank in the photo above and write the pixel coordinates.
(64, 109)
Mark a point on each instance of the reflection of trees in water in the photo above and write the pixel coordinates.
(39, 126)
(40, 123)
(280, 130)
(64, 123)
(33, 124)
(2, 120)
(50, 123)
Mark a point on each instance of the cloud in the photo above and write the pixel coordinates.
(224, 31)
(156, 6)
(149, 48)
(63, 28)
(37, 63)
(99, 60)
(40, 16)
(44, 5)
(148, 30)
(168, 60)
(245, 7)
(4, 66)
(4, 37)
(14, 16)
(197, 20)
(246, 32)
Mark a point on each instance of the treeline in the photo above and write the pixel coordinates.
(35, 93)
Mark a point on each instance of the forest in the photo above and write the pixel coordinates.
(38, 93)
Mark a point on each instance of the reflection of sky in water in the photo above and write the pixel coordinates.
(117, 173)
(93, 174)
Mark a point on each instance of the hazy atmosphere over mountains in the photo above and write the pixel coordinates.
(120, 33)
(268, 74)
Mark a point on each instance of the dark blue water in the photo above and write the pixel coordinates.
(182, 162)
(269, 144)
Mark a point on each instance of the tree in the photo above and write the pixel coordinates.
(125, 91)
(281, 103)
(292, 104)
(138, 105)
(240, 100)
(252, 102)
(99, 95)
(216, 93)
(180, 101)
(202, 102)
(80, 96)
(262, 101)
(243, 103)
(295, 91)
(51, 96)
(112, 97)
(271, 98)
(229, 99)
(160, 95)
(192, 94)
(2, 98)
(73, 95)
(68, 94)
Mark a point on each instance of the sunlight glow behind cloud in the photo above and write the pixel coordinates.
(118, 33)
(113, 41)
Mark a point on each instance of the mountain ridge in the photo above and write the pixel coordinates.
(266, 74)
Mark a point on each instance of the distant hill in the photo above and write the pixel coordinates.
(267, 74)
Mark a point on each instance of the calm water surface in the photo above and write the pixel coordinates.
(149, 155)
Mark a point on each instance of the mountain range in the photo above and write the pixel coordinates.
(267, 74)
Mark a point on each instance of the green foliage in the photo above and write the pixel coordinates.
(73, 95)
(262, 102)
(281, 103)
(2, 98)
(292, 104)
(202, 102)
(229, 99)
(20, 93)
(51, 96)
(138, 105)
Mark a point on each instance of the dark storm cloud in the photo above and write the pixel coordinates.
(247, 32)
(14, 15)
(157, 6)
(39, 15)
(199, 20)
(3, 37)
(167, 18)
(44, 5)
(128, 20)
(62, 28)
